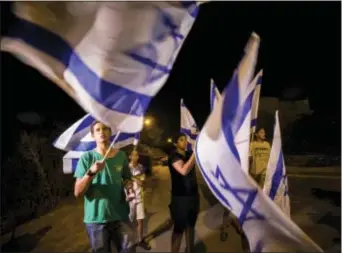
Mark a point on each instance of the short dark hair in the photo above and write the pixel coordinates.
(93, 124)
(257, 130)
(176, 137)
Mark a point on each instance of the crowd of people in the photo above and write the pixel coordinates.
(112, 186)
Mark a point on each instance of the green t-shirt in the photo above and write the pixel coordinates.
(104, 201)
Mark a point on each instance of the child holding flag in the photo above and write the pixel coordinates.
(136, 198)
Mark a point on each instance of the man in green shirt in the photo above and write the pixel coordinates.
(101, 182)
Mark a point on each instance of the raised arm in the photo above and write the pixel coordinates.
(181, 167)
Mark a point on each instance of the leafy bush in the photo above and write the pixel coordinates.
(32, 181)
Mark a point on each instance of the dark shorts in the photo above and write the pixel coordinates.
(184, 212)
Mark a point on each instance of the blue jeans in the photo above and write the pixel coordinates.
(102, 236)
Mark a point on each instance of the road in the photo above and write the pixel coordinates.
(315, 208)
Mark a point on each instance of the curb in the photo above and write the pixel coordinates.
(314, 170)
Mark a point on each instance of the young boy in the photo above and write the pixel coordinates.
(185, 203)
(100, 182)
(136, 203)
(259, 154)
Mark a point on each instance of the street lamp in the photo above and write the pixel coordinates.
(147, 121)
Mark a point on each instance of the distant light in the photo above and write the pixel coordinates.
(148, 121)
(169, 140)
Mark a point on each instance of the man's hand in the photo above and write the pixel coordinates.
(97, 166)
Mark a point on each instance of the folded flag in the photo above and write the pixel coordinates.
(276, 185)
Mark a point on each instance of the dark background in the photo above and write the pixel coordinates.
(300, 47)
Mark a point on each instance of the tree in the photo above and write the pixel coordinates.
(34, 179)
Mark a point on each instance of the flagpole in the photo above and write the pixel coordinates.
(252, 137)
(111, 145)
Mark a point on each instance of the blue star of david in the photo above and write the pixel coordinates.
(147, 53)
(248, 212)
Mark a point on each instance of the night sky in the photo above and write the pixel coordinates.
(300, 47)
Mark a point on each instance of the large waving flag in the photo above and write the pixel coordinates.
(214, 94)
(265, 225)
(108, 56)
(255, 101)
(188, 125)
(276, 184)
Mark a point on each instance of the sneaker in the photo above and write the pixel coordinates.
(145, 245)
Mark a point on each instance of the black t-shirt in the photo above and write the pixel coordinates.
(182, 185)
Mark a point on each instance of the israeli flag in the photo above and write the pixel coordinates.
(214, 94)
(74, 134)
(188, 125)
(255, 101)
(243, 79)
(78, 136)
(87, 143)
(108, 56)
(276, 184)
(267, 228)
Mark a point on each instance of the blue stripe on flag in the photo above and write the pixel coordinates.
(85, 123)
(108, 94)
(253, 122)
(74, 162)
(191, 4)
(246, 108)
(259, 80)
(230, 107)
(277, 177)
(212, 97)
(188, 133)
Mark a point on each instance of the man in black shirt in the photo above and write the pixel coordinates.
(184, 206)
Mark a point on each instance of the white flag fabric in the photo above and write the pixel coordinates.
(87, 143)
(214, 94)
(267, 228)
(276, 183)
(255, 101)
(74, 134)
(77, 140)
(243, 77)
(110, 57)
(188, 125)
(78, 136)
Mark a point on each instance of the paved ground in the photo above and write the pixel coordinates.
(316, 208)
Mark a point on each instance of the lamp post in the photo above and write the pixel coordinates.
(148, 121)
